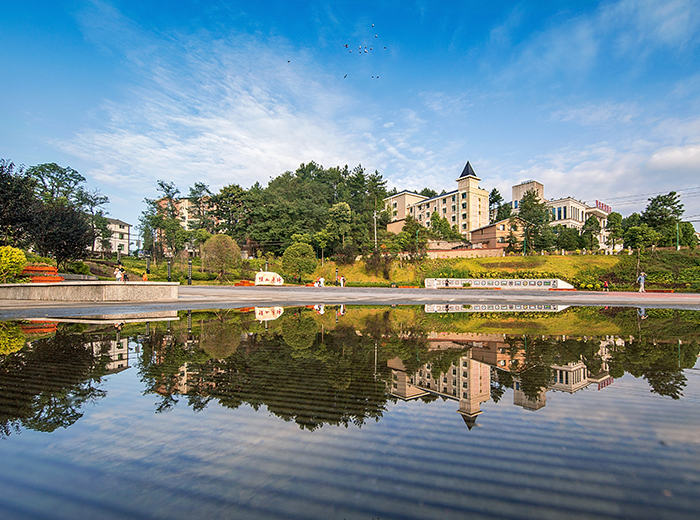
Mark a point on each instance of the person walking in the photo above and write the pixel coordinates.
(605, 286)
(640, 280)
(117, 274)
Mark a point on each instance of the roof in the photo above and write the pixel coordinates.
(441, 196)
(407, 192)
(117, 221)
(468, 171)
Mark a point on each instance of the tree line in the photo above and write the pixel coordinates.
(49, 209)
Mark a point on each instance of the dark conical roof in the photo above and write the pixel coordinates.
(468, 171)
(469, 420)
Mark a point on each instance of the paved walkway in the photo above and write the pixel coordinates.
(197, 297)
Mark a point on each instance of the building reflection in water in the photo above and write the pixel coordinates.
(339, 367)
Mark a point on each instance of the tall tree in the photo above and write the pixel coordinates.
(200, 207)
(19, 205)
(55, 183)
(614, 229)
(589, 234)
(495, 202)
(63, 232)
(92, 204)
(535, 214)
(662, 214)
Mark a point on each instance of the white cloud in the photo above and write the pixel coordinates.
(597, 113)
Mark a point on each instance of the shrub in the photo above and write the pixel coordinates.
(12, 262)
(78, 268)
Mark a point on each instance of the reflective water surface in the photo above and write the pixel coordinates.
(353, 412)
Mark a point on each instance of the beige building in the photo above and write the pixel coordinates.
(119, 241)
(466, 208)
(496, 235)
(567, 211)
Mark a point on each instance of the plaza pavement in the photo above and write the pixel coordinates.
(198, 297)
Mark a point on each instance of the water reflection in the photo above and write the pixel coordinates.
(336, 365)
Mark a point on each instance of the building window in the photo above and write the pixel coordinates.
(453, 198)
(502, 227)
(121, 236)
(558, 213)
(454, 218)
(564, 212)
(454, 208)
(501, 240)
(465, 385)
(410, 211)
(464, 216)
(396, 213)
(444, 210)
(515, 204)
(444, 201)
(464, 205)
(394, 204)
(464, 195)
(464, 226)
(420, 217)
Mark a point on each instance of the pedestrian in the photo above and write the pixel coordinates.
(117, 274)
(605, 286)
(322, 282)
(640, 280)
(342, 281)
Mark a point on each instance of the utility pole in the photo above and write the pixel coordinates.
(678, 246)
(375, 229)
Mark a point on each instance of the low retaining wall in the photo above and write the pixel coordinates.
(91, 291)
(497, 283)
(466, 253)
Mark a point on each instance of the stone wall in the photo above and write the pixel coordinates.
(91, 291)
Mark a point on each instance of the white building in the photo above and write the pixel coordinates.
(119, 241)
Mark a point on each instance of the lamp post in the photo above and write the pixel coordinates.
(189, 264)
(678, 245)
(170, 262)
(148, 263)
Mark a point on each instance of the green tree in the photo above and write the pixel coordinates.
(200, 208)
(339, 220)
(614, 229)
(538, 235)
(428, 192)
(505, 211)
(63, 232)
(641, 237)
(495, 203)
(91, 203)
(160, 221)
(322, 239)
(19, 205)
(222, 254)
(589, 234)
(55, 183)
(662, 214)
(299, 259)
(567, 238)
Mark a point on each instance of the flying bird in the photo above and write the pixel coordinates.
(345, 76)
(372, 25)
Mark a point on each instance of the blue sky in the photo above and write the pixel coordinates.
(597, 100)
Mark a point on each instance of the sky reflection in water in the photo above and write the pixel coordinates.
(353, 413)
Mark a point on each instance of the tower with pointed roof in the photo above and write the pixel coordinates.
(466, 208)
(473, 201)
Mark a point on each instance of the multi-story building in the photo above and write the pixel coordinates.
(567, 211)
(466, 208)
(118, 241)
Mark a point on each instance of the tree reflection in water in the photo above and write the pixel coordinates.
(46, 385)
(311, 370)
